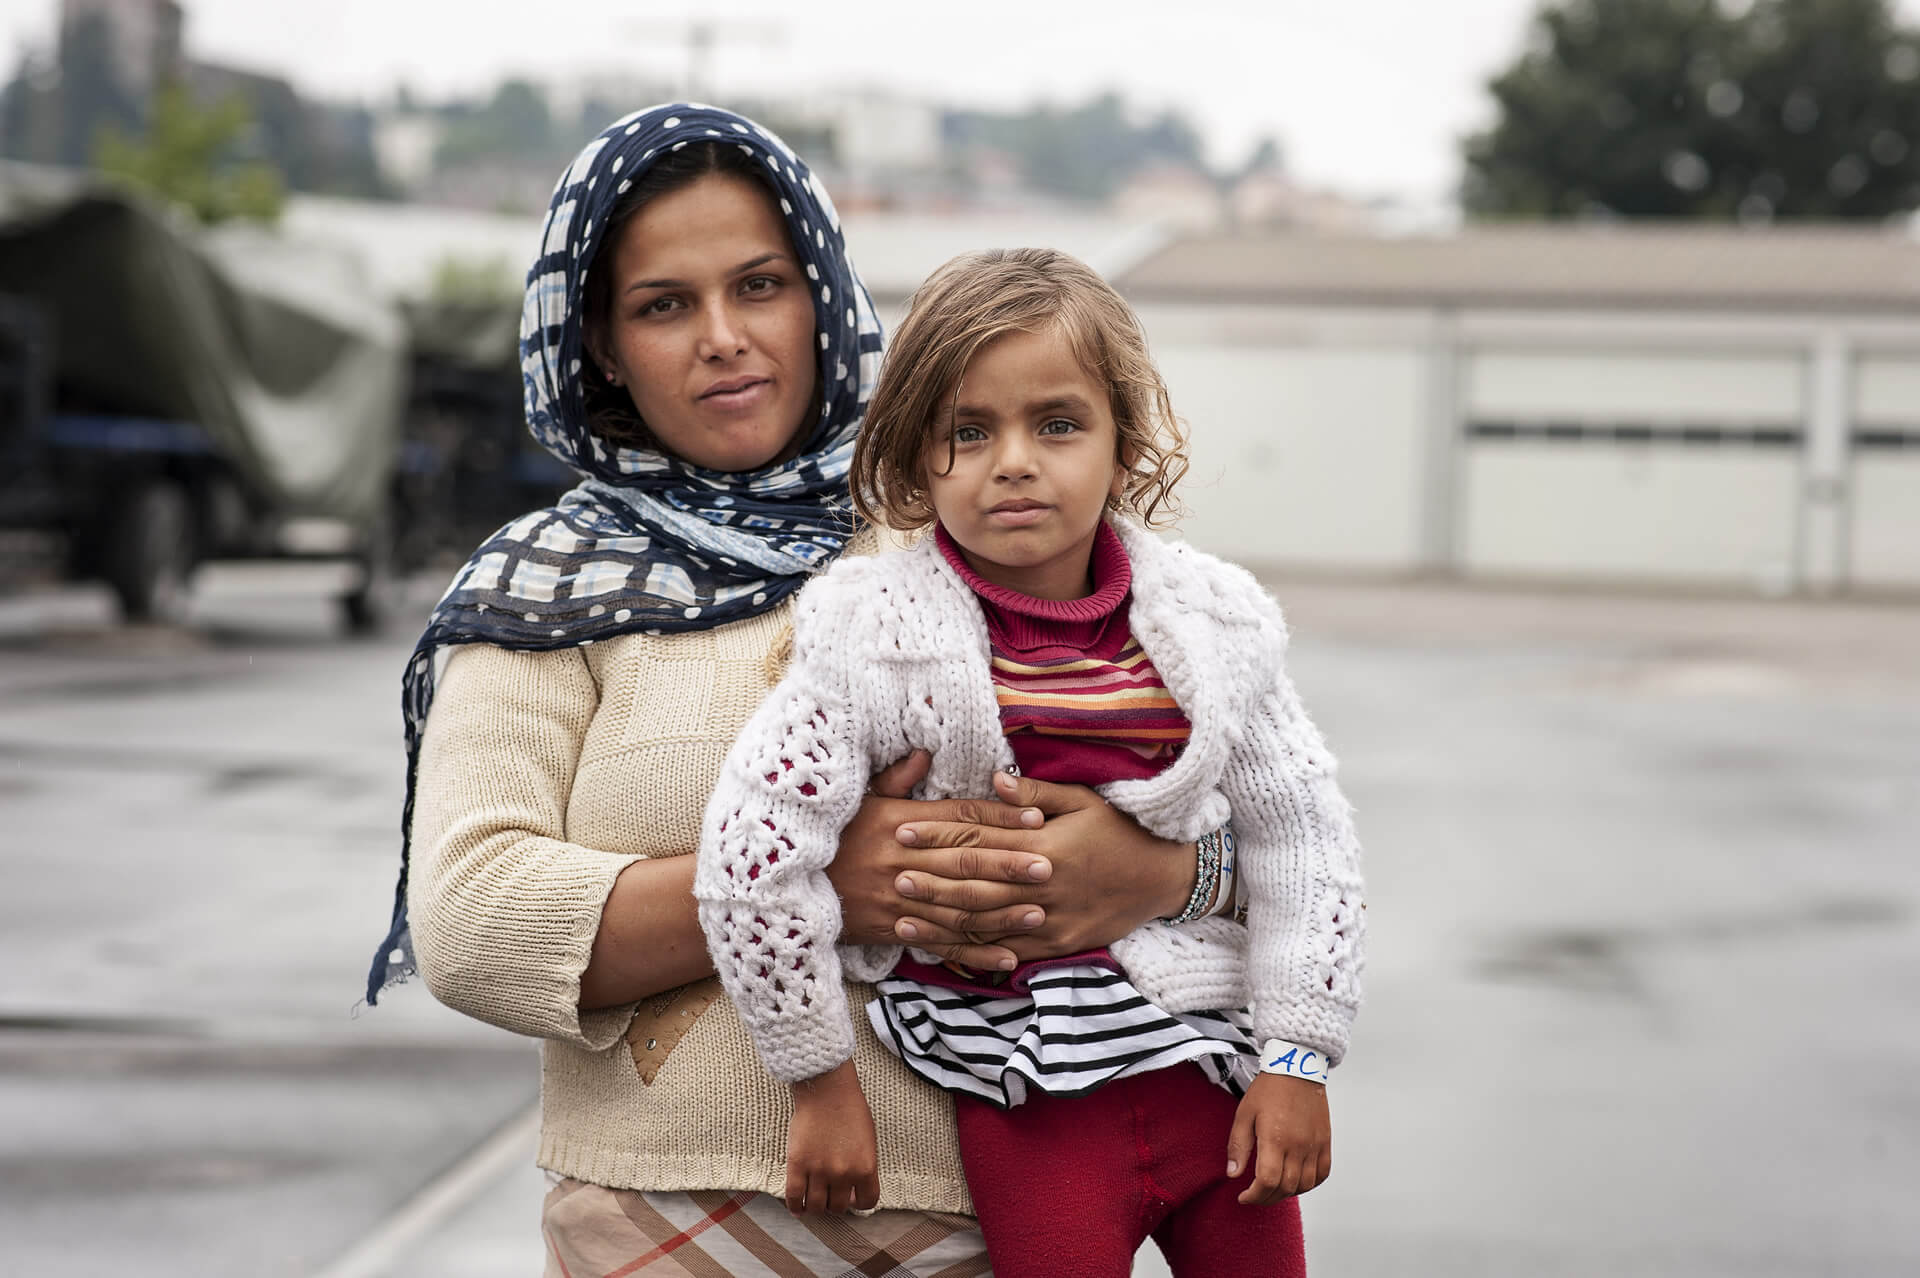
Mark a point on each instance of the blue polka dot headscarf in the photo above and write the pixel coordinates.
(648, 542)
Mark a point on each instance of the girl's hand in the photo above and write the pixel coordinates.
(833, 1159)
(955, 887)
(1105, 875)
(1283, 1136)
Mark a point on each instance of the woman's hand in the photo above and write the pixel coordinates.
(954, 887)
(1109, 875)
(1101, 874)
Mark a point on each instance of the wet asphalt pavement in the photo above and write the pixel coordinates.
(1644, 973)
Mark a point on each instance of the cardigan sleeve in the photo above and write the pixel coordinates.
(504, 908)
(1300, 860)
(795, 777)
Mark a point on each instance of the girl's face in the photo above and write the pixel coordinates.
(1035, 457)
(710, 325)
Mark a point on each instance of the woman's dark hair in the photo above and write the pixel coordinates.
(609, 409)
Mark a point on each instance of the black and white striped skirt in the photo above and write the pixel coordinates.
(1082, 1026)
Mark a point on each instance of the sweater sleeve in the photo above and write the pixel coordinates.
(793, 780)
(1300, 859)
(504, 908)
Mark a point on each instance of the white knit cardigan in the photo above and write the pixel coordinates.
(891, 654)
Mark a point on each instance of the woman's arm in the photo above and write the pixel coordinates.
(504, 906)
(649, 936)
(518, 927)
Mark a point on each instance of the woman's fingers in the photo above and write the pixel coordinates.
(896, 781)
(973, 879)
(1049, 797)
(955, 923)
(990, 849)
(989, 813)
(978, 954)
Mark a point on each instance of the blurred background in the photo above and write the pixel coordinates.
(1557, 364)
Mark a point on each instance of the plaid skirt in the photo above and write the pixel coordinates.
(595, 1232)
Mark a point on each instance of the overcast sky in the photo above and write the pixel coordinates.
(1368, 96)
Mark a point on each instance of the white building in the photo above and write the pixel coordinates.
(1701, 406)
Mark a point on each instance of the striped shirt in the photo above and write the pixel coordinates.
(1079, 700)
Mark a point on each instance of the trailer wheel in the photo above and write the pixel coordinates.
(370, 605)
(149, 553)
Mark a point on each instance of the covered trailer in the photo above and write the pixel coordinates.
(170, 395)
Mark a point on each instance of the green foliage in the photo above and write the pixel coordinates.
(188, 158)
(1083, 152)
(514, 124)
(467, 281)
(1686, 108)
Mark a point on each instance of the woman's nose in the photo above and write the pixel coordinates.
(722, 335)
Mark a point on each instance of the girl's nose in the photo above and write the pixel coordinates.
(1013, 459)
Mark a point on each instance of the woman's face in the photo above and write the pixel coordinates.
(709, 325)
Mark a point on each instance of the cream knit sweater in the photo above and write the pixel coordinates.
(542, 776)
(891, 654)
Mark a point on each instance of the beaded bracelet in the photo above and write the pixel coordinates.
(1207, 882)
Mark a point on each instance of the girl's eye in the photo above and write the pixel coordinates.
(1059, 426)
(968, 434)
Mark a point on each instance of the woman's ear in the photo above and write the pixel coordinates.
(595, 341)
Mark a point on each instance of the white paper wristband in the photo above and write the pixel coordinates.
(1278, 1056)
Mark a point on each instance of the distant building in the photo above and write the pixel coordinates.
(1683, 405)
(1270, 198)
(404, 143)
(143, 38)
(1174, 195)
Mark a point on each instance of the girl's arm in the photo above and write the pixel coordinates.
(1300, 860)
(791, 783)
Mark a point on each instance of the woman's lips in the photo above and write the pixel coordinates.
(742, 393)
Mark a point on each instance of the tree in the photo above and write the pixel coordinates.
(1083, 152)
(187, 158)
(1689, 108)
(513, 125)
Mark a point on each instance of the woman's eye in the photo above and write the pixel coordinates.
(1059, 426)
(760, 284)
(660, 306)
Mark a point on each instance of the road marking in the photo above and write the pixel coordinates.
(377, 1254)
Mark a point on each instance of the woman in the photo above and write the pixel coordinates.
(695, 342)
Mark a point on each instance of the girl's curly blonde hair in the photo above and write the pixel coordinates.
(969, 302)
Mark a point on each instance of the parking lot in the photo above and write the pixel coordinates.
(1643, 983)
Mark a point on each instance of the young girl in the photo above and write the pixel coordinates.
(1042, 629)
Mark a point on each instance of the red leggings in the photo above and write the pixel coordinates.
(1069, 1187)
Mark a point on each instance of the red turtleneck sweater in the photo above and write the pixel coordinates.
(1079, 700)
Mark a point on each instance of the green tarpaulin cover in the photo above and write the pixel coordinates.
(293, 367)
